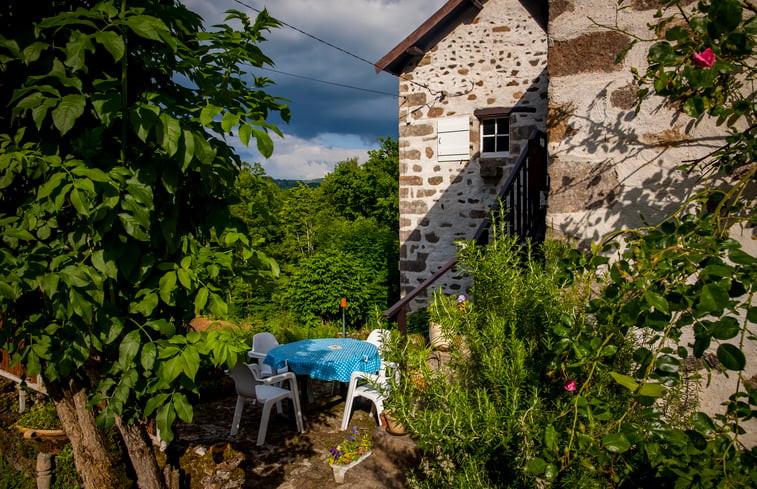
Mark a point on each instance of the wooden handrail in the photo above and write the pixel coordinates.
(533, 144)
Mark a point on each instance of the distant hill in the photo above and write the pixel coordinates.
(287, 184)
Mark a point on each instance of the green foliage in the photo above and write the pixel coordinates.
(41, 417)
(368, 190)
(479, 421)
(312, 227)
(10, 478)
(417, 322)
(64, 472)
(114, 194)
(322, 280)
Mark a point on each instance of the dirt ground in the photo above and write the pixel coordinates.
(288, 459)
(292, 460)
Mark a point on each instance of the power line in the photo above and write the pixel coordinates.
(331, 83)
(333, 46)
(309, 35)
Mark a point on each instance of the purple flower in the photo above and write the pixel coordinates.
(461, 298)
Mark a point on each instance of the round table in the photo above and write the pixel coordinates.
(326, 358)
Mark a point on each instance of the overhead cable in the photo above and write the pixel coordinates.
(331, 83)
(333, 46)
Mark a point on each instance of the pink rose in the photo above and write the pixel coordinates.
(705, 59)
(570, 386)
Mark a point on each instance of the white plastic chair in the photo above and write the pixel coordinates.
(262, 343)
(373, 387)
(378, 337)
(251, 385)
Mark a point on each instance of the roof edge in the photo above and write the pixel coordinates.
(437, 18)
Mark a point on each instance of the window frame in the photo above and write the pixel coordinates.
(494, 117)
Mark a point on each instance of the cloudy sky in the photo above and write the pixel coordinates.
(329, 123)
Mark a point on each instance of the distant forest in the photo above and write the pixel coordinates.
(285, 184)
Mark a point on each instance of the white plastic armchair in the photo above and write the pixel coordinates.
(262, 343)
(378, 337)
(250, 384)
(373, 387)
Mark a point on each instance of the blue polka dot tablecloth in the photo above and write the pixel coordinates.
(326, 358)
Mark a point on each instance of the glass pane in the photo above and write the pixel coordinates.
(489, 126)
(503, 143)
(488, 145)
(503, 125)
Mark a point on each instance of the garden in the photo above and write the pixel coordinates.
(125, 215)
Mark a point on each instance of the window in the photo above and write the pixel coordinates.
(495, 137)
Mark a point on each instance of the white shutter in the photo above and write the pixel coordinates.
(453, 139)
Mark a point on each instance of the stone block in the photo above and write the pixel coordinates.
(408, 236)
(432, 237)
(412, 154)
(594, 52)
(410, 130)
(409, 207)
(418, 265)
(416, 99)
(413, 180)
(558, 117)
(581, 185)
(624, 98)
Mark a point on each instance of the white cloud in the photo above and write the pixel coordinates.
(305, 159)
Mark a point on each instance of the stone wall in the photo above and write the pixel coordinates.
(609, 168)
(495, 59)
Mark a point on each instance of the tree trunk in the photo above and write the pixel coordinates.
(93, 460)
(143, 459)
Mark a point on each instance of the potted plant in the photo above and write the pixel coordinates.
(406, 358)
(349, 453)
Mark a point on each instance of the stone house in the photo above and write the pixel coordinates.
(473, 87)
(610, 167)
(479, 76)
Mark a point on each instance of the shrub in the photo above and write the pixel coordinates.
(64, 472)
(483, 418)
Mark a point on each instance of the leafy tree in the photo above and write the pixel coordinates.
(258, 208)
(348, 223)
(367, 190)
(114, 207)
(320, 281)
(259, 204)
(302, 213)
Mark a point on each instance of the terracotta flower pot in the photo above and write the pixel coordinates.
(394, 427)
